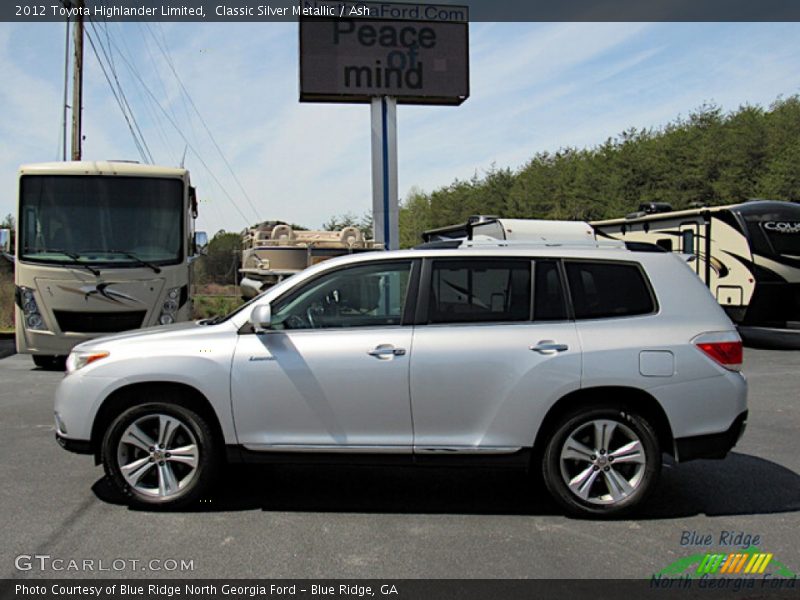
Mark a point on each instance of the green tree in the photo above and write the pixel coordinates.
(708, 157)
(415, 217)
(364, 223)
(224, 256)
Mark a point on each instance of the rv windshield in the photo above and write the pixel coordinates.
(784, 236)
(119, 221)
(780, 226)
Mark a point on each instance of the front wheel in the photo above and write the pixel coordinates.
(160, 455)
(601, 461)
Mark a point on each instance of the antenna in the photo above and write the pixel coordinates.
(183, 158)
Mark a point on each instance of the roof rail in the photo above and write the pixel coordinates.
(493, 243)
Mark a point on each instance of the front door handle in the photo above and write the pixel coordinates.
(386, 351)
(549, 347)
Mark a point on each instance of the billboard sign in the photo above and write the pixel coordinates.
(418, 54)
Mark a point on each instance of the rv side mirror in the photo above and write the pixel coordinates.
(261, 317)
(201, 242)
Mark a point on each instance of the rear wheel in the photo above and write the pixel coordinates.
(602, 461)
(160, 455)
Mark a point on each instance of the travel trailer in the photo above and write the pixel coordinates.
(101, 247)
(483, 226)
(747, 254)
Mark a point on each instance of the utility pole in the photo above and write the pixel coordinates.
(66, 84)
(77, 82)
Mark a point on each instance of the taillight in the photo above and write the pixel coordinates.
(724, 347)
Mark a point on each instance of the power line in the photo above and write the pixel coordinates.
(164, 49)
(205, 126)
(164, 138)
(142, 147)
(131, 65)
(139, 146)
(181, 134)
(109, 58)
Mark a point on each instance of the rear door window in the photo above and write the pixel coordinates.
(474, 291)
(601, 290)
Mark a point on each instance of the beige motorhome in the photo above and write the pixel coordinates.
(101, 247)
(273, 250)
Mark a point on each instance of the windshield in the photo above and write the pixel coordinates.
(784, 236)
(114, 220)
(781, 227)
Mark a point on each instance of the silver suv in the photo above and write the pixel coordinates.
(585, 363)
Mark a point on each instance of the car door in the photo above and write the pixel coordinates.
(485, 366)
(331, 373)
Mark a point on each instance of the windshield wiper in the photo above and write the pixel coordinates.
(212, 320)
(132, 256)
(75, 260)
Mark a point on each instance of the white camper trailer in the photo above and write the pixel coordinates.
(482, 226)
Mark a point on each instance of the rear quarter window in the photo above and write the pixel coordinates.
(605, 289)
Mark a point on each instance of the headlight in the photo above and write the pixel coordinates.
(30, 310)
(34, 321)
(77, 359)
(170, 306)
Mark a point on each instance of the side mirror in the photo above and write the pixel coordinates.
(201, 243)
(261, 317)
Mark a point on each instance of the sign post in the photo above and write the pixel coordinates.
(385, 206)
(386, 54)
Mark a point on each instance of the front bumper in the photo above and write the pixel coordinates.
(76, 446)
(715, 445)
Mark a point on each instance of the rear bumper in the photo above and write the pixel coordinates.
(715, 445)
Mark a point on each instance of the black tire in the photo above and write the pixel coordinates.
(598, 471)
(190, 483)
(50, 363)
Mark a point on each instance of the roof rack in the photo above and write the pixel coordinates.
(488, 242)
(494, 243)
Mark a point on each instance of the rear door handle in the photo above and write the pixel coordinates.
(549, 347)
(385, 351)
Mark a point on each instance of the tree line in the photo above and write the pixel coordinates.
(708, 158)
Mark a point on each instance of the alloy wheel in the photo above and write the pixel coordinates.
(158, 456)
(602, 462)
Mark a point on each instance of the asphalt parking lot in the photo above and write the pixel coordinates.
(320, 522)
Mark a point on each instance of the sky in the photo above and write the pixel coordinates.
(534, 87)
